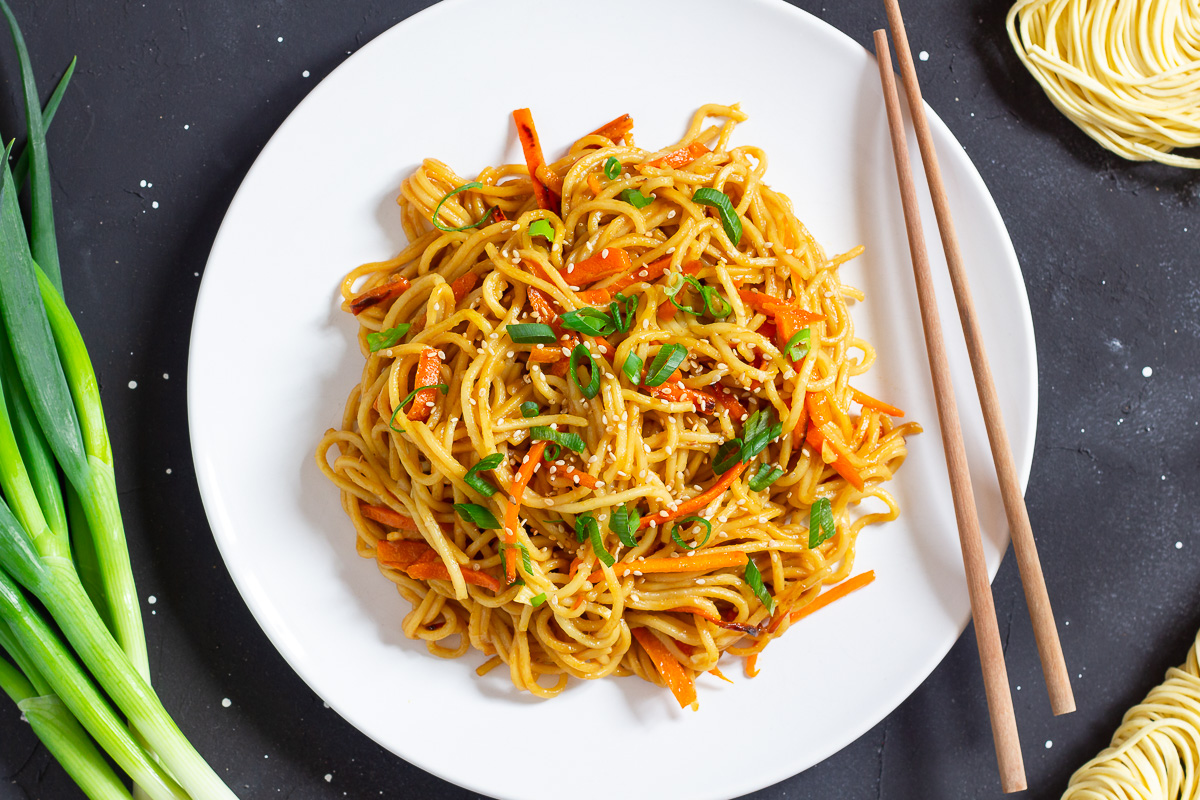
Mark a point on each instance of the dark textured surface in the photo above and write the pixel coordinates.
(185, 96)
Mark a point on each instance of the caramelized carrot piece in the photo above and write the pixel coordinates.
(463, 285)
(524, 474)
(615, 129)
(532, 149)
(696, 503)
(773, 306)
(550, 179)
(681, 157)
(595, 297)
(817, 438)
(400, 554)
(836, 593)
(678, 679)
(870, 402)
(579, 476)
(578, 602)
(706, 561)
(676, 392)
(545, 355)
(750, 630)
(646, 272)
(385, 516)
(752, 665)
(436, 571)
(609, 261)
(666, 311)
(429, 369)
(385, 292)
(719, 674)
(594, 184)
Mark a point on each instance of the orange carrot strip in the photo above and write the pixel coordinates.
(678, 679)
(751, 630)
(400, 554)
(816, 438)
(550, 179)
(436, 571)
(719, 674)
(428, 371)
(870, 402)
(836, 593)
(524, 474)
(594, 184)
(463, 285)
(385, 292)
(532, 149)
(578, 602)
(696, 503)
(752, 665)
(677, 392)
(545, 355)
(595, 297)
(615, 129)
(666, 311)
(584, 479)
(385, 516)
(701, 562)
(646, 272)
(727, 401)
(772, 306)
(609, 261)
(681, 157)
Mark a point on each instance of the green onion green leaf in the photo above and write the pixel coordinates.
(820, 522)
(477, 483)
(537, 599)
(476, 514)
(463, 188)
(588, 529)
(797, 346)
(578, 355)
(588, 320)
(543, 433)
(755, 581)
(551, 452)
(541, 227)
(531, 333)
(668, 359)
(765, 476)
(633, 368)
(760, 430)
(630, 304)
(673, 289)
(624, 523)
(529, 409)
(707, 532)
(730, 221)
(635, 198)
(382, 340)
(729, 453)
(612, 168)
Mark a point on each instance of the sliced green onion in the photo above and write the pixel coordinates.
(477, 483)
(673, 289)
(463, 188)
(635, 198)
(755, 581)
(476, 514)
(765, 476)
(820, 522)
(667, 360)
(531, 333)
(581, 525)
(537, 599)
(526, 561)
(715, 303)
(551, 452)
(760, 430)
(543, 433)
(586, 528)
(728, 455)
(624, 523)
(633, 368)
(588, 320)
(529, 409)
(707, 532)
(541, 227)
(577, 356)
(732, 223)
(382, 340)
(612, 168)
(793, 347)
(630, 304)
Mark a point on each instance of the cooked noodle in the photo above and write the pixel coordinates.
(649, 448)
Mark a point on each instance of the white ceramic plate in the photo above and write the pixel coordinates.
(264, 383)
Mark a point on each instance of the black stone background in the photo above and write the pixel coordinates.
(184, 95)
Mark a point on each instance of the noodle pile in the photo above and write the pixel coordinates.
(1125, 71)
(724, 361)
(1155, 753)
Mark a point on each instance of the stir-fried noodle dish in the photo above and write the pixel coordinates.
(607, 423)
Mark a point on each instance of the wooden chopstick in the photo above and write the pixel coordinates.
(983, 609)
(1054, 666)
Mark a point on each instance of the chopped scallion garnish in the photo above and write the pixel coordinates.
(588, 529)
(571, 441)
(463, 188)
(578, 355)
(633, 368)
(673, 289)
(623, 322)
(635, 198)
(382, 340)
(665, 363)
(391, 422)
(765, 476)
(760, 430)
(612, 168)
(624, 523)
(588, 320)
(551, 452)
(730, 221)
(797, 346)
(820, 522)
(679, 541)
(537, 599)
(477, 483)
(541, 227)
(755, 581)
(476, 514)
(729, 453)
(531, 333)
(529, 409)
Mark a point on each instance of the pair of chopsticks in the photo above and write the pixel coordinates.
(983, 610)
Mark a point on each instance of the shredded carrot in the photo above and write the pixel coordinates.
(696, 503)
(646, 272)
(436, 571)
(750, 630)
(666, 311)
(579, 476)
(681, 157)
(578, 602)
(422, 563)
(615, 129)
(463, 285)
(774, 306)
(595, 297)
(609, 261)
(801, 430)
(524, 474)
(385, 516)
(727, 401)
(676, 392)
(385, 292)
(498, 214)
(429, 369)
(719, 674)
(678, 679)
(836, 593)
(532, 149)
(752, 665)
(822, 432)
(545, 355)
(550, 179)
(400, 554)
(706, 561)
(594, 184)
(870, 402)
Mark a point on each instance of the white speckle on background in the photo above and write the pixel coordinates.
(304, 74)
(280, 39)
(187, 127)
(149, 185)
(168, 470)
(1147, 372)
(197, 274)
(328, 778)
(166, 377)
(1067, 622)
(153, 613)
(226, 703)
(1080, 430)
(133, 384)
(154, 204)
(1049, 744)
(924, 56)
(143, 184)
(1164, 477)
(151, 599)
(325, 704)
(1179, 545)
